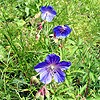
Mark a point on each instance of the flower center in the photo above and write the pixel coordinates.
(52, 67)
(62, 29)
(47, 13)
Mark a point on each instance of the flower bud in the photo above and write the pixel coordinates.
(37, 36)
(39, 26)
(37, 15)
(53, 37)
(34, 80)
(39, 96)
(60, 46)
(42, 93)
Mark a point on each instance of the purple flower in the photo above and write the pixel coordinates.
(52, 67)
(48, 13)
(61, 31)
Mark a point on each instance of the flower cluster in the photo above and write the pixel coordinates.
(48, 13)
(52, 67)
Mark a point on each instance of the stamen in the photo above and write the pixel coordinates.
(52, 67)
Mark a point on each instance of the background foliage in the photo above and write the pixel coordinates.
(19, 50)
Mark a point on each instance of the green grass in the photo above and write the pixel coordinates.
(20, 52)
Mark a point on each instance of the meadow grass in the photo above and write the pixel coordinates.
(20, 51)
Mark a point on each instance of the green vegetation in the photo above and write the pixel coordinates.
(20, 51)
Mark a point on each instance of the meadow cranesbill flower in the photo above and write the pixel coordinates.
(52, 67)
(48, 13)
(61, 31)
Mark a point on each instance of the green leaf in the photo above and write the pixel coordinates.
(83, 88)
(77, 71)
(2, 53)
(27, 11)
(20, 22)
(92, 76)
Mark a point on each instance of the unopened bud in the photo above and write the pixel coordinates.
(39, 96)
(37, 36)
(53, 37)
(34, 80)
(37, 15)
(60, 46)
(39, 26)
(42, 93)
